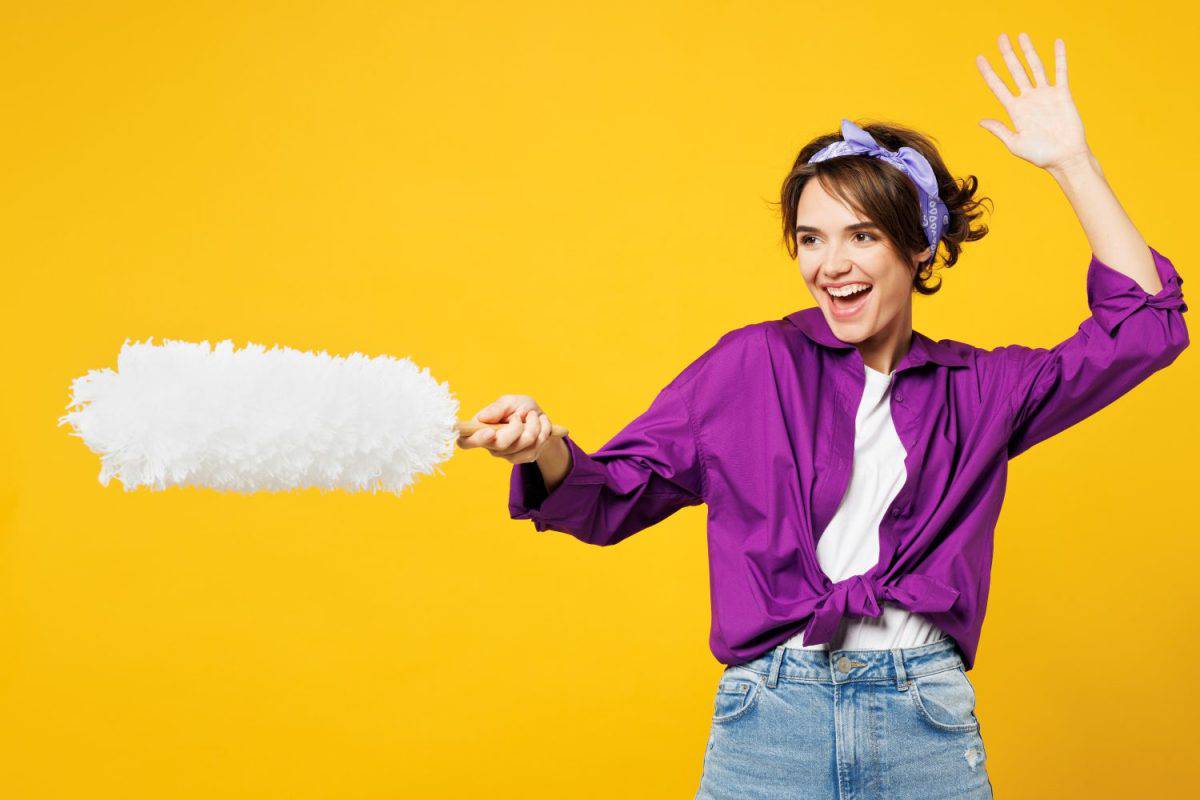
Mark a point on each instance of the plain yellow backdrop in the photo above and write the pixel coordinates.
(570, 201)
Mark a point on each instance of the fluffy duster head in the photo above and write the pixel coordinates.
(249, 420)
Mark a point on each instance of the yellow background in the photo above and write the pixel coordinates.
(571, 203)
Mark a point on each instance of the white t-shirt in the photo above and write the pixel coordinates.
(850, 545)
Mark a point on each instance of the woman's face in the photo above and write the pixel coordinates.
(835, 247)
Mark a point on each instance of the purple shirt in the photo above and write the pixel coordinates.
(760, 428)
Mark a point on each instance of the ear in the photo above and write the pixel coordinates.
(921, 256)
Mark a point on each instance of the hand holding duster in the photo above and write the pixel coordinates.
(248, 420)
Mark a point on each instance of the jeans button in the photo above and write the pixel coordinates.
(843, 664)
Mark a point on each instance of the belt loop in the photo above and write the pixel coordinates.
(901, 674)
(776, 661)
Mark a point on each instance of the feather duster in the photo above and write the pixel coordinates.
(182, 413)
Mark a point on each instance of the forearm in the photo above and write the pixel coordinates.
(1110, 232)
(554, 462)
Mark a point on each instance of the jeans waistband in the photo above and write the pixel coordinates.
(848, 666)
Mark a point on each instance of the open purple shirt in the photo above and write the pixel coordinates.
(760, 427)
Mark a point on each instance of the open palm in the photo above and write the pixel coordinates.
(1049, 131)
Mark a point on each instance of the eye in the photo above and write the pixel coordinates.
(870, 237)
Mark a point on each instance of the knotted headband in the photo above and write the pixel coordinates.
(856, 141)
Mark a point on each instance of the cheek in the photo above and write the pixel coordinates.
(894, 295)
(810, 263)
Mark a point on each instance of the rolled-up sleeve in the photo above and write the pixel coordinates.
(648, 471)
(1129, 335)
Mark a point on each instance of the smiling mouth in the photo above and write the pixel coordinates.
(844, 307)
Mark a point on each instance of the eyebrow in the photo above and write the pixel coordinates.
(856, 226)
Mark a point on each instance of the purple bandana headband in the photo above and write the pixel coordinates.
(856, 141)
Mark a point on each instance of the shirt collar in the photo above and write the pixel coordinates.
(812, 322)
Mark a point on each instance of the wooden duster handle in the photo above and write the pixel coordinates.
(469, 426)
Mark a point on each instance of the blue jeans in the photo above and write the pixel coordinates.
(846, 725)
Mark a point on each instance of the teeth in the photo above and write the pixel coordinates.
(846, 291)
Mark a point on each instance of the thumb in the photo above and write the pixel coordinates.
(1000, 130)
(495, 412)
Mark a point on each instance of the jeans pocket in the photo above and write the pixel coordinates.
(737, 693)
(945, 700)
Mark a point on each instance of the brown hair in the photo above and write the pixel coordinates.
(886, 196)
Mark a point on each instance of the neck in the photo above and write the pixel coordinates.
(884, 350)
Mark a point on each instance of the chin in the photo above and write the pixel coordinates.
(852, 332)
(852, 328)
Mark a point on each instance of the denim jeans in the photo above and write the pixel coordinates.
(894, 724)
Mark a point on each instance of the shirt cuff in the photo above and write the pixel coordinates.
(528, 498)
(1113, 295)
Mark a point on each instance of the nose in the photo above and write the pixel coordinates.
(835, 265)
(834, 260)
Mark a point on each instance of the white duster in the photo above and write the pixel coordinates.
(249, 420)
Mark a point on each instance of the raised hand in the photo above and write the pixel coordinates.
(1049, 131)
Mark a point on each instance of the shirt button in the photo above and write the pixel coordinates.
(897, 511)
(843, 664)
(899, 397)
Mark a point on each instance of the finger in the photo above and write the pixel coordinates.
(1001, 131)
(496, 411)
(1031, 56)
(998, 87)
(1014, 64)
(507, 434)
(543, 433)
(474, 435)
(537, 429)
(1060, 62)
(477, 439)
(529, 436)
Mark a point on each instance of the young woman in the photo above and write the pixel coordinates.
(854, 468)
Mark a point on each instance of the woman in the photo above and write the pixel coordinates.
(853, 468)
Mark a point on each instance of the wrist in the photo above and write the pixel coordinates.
(554, 462)
(1074, 167)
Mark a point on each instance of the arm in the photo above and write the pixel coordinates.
(1134, 292)
(1110, 232)
(1130, 335)
(648, 471)
(554, 463)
